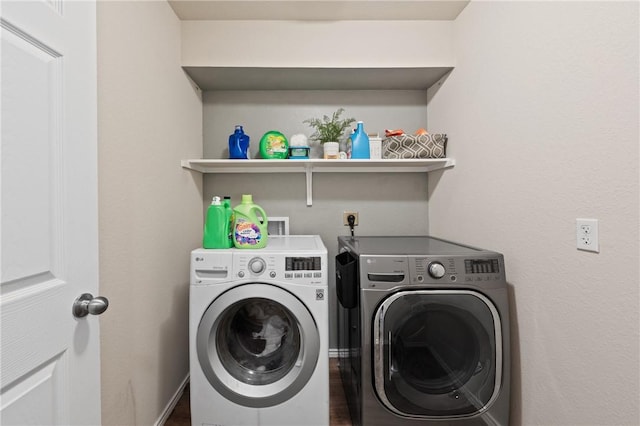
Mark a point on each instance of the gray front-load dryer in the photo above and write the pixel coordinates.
(423, 332)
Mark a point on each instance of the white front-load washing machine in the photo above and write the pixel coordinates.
(259, 334)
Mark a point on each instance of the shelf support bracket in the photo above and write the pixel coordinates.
(309, 181)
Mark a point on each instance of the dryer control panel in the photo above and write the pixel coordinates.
(386, 272)
(456, 269)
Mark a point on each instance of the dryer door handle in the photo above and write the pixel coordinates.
(390, 356)
(386, 278)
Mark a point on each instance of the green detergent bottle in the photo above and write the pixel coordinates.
(229, 219)
(216, 226)
(250, 225)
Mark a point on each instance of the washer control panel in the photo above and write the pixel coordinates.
(312, 263)
(257, 265)
(304, 270)
(303, 267)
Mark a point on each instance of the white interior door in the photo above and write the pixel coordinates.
(50, 360)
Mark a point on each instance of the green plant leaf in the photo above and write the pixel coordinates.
(329, 129)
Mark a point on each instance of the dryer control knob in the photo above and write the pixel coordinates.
(436, 270)
(257, 265)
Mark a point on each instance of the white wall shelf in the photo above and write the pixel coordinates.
(308, 167)
(314, 78)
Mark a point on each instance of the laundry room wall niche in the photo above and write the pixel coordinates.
(381, 199)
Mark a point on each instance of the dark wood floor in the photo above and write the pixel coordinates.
(338, 411)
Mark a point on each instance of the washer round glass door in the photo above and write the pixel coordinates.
(437, 353)
(257, 344)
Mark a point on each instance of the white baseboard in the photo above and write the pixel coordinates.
(172, 403)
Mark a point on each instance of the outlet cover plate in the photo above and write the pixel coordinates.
(587, 235)
(345, 216)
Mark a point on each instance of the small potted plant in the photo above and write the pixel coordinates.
(329, 131)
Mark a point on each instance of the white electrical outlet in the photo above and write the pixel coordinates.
(587, 235)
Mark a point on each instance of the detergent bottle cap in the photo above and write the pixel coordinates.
(216, 201)
(247, 199)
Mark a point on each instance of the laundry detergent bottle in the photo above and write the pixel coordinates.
(239, 144)
(250, 225)
(229, 219)
(360, 143)
(216, 226)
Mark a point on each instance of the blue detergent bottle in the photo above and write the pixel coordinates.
(239, 144)
(360, 143)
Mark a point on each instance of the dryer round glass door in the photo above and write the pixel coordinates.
(257, 344)
(437, 353)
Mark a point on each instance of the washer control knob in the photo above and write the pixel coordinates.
(436, 270)
(257, 265)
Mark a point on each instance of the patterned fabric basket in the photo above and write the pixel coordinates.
(408, 146)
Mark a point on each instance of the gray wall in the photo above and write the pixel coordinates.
(388, 203)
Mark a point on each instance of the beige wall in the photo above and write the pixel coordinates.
(316, 43)
(150, 117)
(542, 114)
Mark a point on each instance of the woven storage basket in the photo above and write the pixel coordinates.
(408, 146)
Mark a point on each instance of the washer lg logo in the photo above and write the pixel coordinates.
(319, 294)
